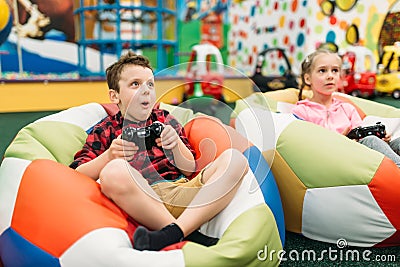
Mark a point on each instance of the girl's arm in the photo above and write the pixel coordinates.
(300, 112)
(355, 118)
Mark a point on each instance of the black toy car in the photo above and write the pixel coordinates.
(265, 80)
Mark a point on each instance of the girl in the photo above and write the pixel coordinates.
(321, 73)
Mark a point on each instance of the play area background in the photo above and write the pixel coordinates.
(298, 25)
(238, 28)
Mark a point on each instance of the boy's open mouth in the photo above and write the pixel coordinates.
(145, 104)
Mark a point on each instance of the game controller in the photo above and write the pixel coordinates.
(360, 132)
(144, 137)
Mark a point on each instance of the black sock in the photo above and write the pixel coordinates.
(144, 239)
(202, 239)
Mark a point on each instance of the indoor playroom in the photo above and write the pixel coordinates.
(231, 74)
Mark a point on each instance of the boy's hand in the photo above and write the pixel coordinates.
(169, 138)
(122, 149)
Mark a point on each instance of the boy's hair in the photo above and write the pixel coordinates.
(114, 71)
(307, 65)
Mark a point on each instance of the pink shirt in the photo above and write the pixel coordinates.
(337, 117)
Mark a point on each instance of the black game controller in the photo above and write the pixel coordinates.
(360, 132)
(144, 137)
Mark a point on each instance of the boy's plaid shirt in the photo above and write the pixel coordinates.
(154, 164)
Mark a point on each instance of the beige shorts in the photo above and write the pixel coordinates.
(178, 194)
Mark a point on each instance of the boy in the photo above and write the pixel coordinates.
(151, 185)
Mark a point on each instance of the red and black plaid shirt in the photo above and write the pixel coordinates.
(154, 164)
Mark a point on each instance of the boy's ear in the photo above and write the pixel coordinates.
(114, 96)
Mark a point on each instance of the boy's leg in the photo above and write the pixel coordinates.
(381, 146)
(221, 180)
(200, 199)
(131, 192)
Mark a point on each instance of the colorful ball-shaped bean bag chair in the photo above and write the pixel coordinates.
(332, 188)
(51, 215)
(6, 21)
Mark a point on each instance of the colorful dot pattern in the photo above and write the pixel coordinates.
(298, 26)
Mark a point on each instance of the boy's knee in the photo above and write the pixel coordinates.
(230, 153)
(236, 161)
(114, 178)
(112, 169)
(237, 156)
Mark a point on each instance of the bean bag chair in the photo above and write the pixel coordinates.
(51, 215)
(333, 189)
(6, 21)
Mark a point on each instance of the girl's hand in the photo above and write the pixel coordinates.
(122, 149)
(387, 138)
(169, 138)
(346, 131)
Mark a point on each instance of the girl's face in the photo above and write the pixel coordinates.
(137, 94)
(324, 76)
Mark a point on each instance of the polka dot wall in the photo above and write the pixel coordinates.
(298, 26)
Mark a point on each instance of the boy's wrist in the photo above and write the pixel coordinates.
(108, 155)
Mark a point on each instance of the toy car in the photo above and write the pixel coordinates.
(264, 77)
(359, 72)
(206, 68)
(388, 78)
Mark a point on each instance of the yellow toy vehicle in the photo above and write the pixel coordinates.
(388, 78)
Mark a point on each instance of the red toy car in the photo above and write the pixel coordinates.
(359, 72)
(205, 68)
